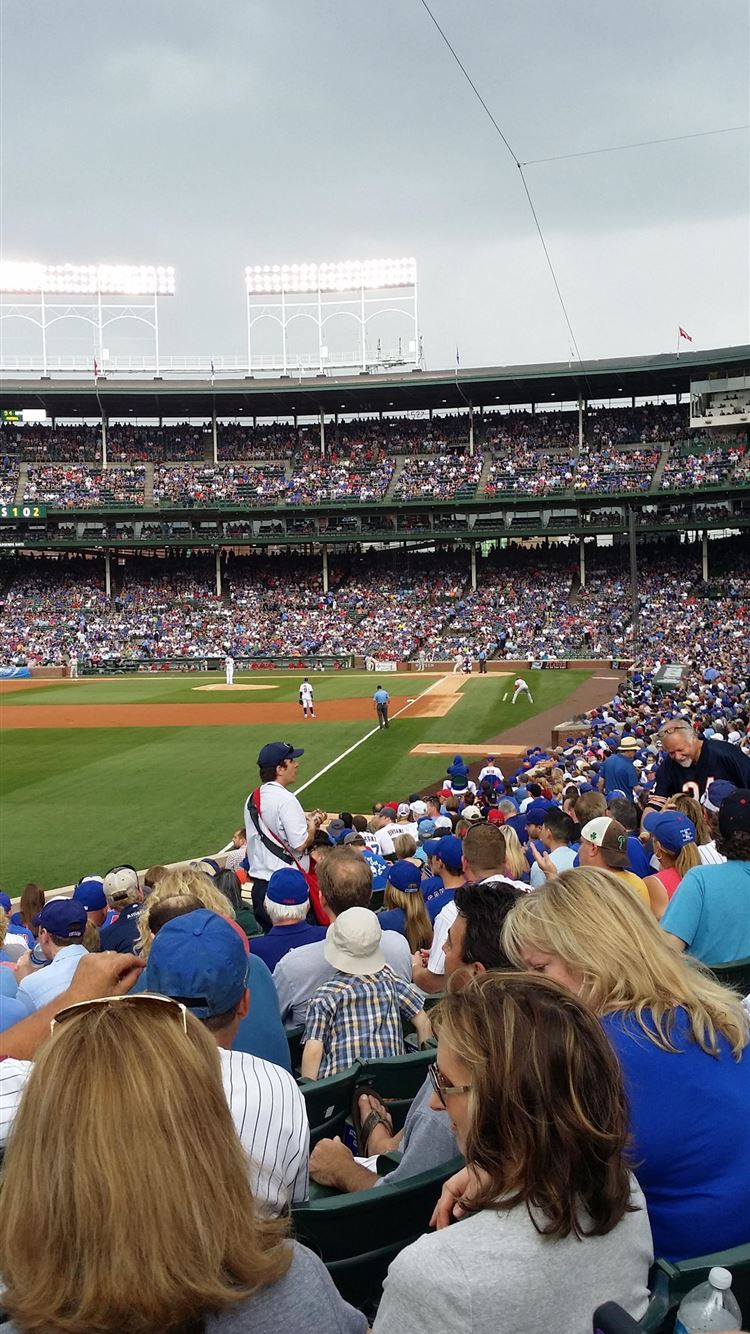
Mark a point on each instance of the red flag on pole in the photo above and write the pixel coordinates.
(684, 334)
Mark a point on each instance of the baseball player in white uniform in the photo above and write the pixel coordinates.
(72, 665)
(521, 688)
(229, 669)
(306, 699)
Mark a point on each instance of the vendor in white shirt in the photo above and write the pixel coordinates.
(279, 833)
(62, 924)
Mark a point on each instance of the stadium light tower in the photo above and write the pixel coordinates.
(85, 285)
(283, 293)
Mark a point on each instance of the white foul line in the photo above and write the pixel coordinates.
(364, 738)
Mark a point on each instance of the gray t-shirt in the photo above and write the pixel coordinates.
(493, 1273)
(304, 1299)
(428, 1139)
(299, 974)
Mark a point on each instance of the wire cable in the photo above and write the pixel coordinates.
(642, 143)
(519, 165)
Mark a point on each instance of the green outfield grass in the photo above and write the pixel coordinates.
(76, 801)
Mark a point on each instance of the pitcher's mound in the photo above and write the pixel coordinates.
(223, 686)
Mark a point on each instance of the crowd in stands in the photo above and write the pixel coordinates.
(8, 480)
(535, 932)
(73, 486)
(528, 454)
(453, 476)
(275, 606)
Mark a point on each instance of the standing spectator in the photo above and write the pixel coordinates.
(278, 831)
(287, 904)
(618, 774)
(62, 925)
(382, 699)
(709, 914)
(357, 1015)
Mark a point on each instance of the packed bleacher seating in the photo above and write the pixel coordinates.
(72, 486)
(217, 483)
(9, 473)
(453, 476)
(710, 467)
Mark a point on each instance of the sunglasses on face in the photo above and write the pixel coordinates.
(440, 1085)
(160, 1004)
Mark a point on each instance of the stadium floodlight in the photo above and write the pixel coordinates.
(346, 276)
(87, 279)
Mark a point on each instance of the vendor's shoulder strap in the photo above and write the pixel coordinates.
(270, 842)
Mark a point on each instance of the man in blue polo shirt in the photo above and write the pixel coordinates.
(62, 924)
(381, 699)
(287, 904)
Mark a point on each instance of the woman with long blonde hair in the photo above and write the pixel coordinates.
(535, 1096)
(516, 865)
(187, 881)
(404, 907)
(86, 1245)
(682, 1041)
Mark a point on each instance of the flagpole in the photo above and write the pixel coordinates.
(678, 340)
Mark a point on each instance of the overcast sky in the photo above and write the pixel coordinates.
(211, 135)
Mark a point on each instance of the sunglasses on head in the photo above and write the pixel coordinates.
(160, 1005)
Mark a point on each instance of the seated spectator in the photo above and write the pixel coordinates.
(704, 815)
(404, 908)
(201, 960)
(62, 924)
(427, 1139)
(261, 1032)
(673, 838)
(22, 921)
(125, 897)
(90, 893)
(558, 831)
(345, 882)
(709, 914)
(681, 1039)
(227, 882)
(445, 861)
(191, 1250)
(287, 903)
(558, 1223)
(626, 813)
(604, 847)
(357, 1015)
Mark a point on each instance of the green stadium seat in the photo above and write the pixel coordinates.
(342, 1229)
(397, 1076)
(328, 1102)
(735, 974)
(294, 1038)
(670, 1282)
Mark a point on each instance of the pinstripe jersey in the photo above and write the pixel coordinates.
(268, 1111)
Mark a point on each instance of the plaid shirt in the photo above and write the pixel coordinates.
(359, 1018)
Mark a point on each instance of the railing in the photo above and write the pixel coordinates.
(208, 367)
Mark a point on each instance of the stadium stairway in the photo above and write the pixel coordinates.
(23, 477)
(148, 489)
(666, 450)
(388, 493)
(484, 474)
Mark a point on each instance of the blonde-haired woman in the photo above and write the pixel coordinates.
(673, 836)
(189, 1252)
(188, 882)
(682, 1042)
(516, 865)
(404, 907)
(705, 831)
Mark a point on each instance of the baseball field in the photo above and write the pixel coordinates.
(157, 768)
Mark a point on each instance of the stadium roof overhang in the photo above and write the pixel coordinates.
(563, 382)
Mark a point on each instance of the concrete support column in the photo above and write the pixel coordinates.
(582, 560)
(473, 567)
(214, 436)
(471, 432)
(705, 556)
(108, 575)
(218, 574)
(322, 433)
(325, 569)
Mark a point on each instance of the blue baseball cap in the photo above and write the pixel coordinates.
(673, 830)
(426, 828)
(536, 811)
(200, 960)
(276, 752)
(63, 917)
(90, 893)
(287, 886)
(405, 876)
(449, 849)
(5, 902)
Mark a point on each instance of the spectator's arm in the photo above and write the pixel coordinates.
(312, 1055)
(332, 1164)
(97, 975)
(423, 1026)
(423, 978)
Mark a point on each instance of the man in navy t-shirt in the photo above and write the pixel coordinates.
(690, 764)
